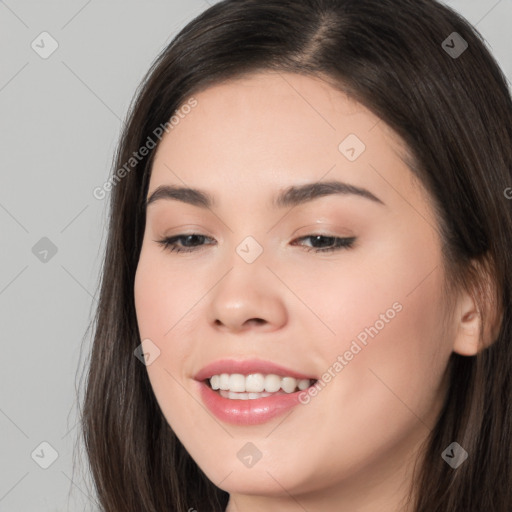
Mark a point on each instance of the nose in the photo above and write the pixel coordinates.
(248, 297)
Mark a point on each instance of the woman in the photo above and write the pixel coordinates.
(306, 296)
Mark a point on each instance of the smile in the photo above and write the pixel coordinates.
(250, 392)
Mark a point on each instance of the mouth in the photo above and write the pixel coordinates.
(250, 392)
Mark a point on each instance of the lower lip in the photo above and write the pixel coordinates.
(247, 412)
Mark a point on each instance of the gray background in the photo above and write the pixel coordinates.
(60, 120)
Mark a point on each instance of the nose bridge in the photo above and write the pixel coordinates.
(248, 260)
(250, 249)
(248, 293)
(249, 229)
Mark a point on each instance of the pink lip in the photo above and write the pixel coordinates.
(247, 367)
(247, 412)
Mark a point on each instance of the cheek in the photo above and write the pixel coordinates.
(168, 309)
(154, 299)
(165, 297)
(388, 321)
(165, 303)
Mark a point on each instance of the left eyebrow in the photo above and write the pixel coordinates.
(291, 196)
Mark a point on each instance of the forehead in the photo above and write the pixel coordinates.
(307, 93)
(270, 129)
(266, 102)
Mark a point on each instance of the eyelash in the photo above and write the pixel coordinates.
(169, 244)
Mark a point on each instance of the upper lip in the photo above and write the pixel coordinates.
(247, 367)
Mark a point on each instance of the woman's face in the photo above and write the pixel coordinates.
(365, 320)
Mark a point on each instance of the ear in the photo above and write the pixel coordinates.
(477, 329)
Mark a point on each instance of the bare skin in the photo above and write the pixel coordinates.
(352, 447)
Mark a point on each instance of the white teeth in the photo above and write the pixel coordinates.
(237, 382)
(304, 384)
(224, 381)
(242, 396)
(255, 382)
(272, 383)
(288, 384)
(215, 381)
(255, 385)
(252, 396)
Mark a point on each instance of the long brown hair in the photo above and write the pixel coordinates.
(454, 112)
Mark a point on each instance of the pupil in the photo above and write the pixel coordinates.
(191, 236)
(325, 238)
